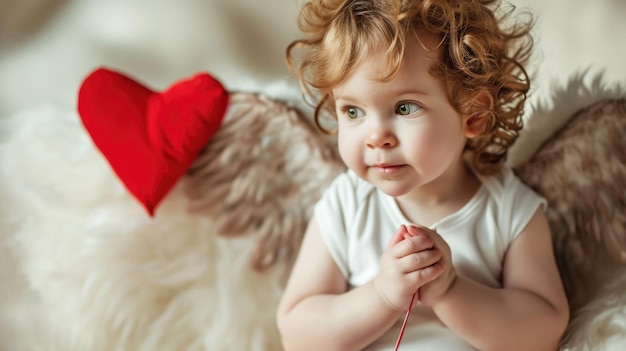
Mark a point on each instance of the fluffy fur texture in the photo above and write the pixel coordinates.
(262, 174)
(600, 325)
(581, 171)
(110, 278)
(93, 272)
(559, 101)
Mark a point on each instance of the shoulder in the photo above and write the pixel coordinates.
(506, 186)
(347, 189)
(344, 203)
(516, 202)
(338, 211)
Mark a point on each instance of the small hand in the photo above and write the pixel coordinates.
(407, 264)
(435, 289)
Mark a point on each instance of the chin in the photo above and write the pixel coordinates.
(391, 187)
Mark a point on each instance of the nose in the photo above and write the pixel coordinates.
(381, 138)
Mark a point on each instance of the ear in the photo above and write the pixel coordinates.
(476, 123)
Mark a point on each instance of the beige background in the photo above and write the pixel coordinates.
(48, 46)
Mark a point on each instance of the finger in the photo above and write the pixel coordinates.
(420, 230)
(419, 260)
(398, 237)
(426, 274)
(411, 245)
(415, 230)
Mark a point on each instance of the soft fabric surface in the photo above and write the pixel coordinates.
(94, 272)
(107, 277)
(150, 138)
(48, 46)
(581, 170)
(601, 323)
(81, 266)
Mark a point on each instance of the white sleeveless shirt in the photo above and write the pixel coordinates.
(357, 220)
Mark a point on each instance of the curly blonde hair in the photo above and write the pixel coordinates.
(481, 58)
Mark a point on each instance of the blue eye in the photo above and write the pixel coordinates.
(407, 108)
(354, 112)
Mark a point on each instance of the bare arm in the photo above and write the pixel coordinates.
(308, 315)
(317, 312)
(530, 312)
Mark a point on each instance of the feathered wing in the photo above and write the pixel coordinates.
(581, 171)
(261, 175)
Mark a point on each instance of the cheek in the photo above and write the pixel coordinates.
(348, 150)
(434, 143)
(420, 144)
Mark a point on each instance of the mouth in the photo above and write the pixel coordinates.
(387, 169)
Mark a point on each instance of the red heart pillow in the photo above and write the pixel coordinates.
(149, 138)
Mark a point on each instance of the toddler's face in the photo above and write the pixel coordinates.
(403, 133)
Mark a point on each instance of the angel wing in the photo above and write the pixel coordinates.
(261, 174)
(581, 171)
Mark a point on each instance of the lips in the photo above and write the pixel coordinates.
(387, 169)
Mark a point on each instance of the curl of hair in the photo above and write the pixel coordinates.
(481, 63)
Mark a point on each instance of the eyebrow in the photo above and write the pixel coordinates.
(401, 92)
(345, 98)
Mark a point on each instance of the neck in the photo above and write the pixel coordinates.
(441, 197)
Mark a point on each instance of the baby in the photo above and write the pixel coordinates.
(427, 220)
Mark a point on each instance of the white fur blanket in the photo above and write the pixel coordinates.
(93, 272)
(83, 267)
(89, 270)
